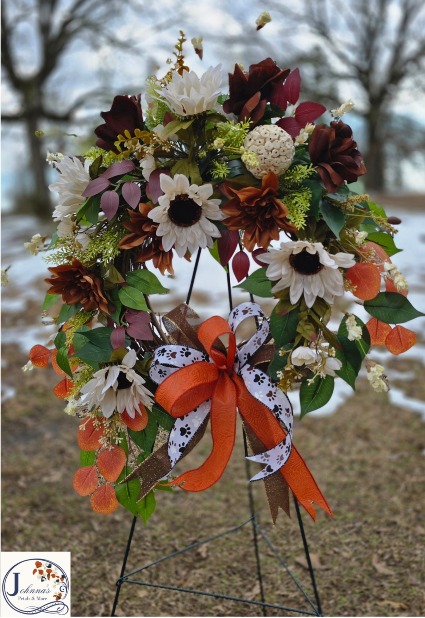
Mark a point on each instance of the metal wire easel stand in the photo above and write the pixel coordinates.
(258, 534)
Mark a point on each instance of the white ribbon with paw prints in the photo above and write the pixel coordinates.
(169, 358)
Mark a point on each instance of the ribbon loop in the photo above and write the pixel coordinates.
(193, 386)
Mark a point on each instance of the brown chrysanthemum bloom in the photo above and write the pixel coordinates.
(125, 114)
(334, 153)
(143, 236)
(258, 213)
(77, 284)
(249, 92)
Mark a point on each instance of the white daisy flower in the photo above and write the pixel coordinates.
(73, 180)
(307, 268)
(184, 214)
(117, 387)
(187, 94)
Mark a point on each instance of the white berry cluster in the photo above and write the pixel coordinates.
(274, 149)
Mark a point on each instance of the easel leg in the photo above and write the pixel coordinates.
(124, 564)
(307, 556)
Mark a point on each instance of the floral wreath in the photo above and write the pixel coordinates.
(250, 178)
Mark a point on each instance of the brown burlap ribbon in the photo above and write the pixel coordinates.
(182, 325)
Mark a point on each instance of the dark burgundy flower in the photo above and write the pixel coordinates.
(143, 238)
(250, 92)
(77, 284)
(334, 153)
(125, 114)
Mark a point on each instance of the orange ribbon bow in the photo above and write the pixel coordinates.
(188, 387)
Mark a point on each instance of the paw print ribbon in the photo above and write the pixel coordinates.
(221, 383)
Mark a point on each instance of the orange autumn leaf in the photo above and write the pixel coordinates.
(85, 480)
(365, 279)
(378, 331)
(376, 253)
(104, 500)
(63, 388)
(110, 462)
(139, 422)
(391, 287)
(400, 339)
(39, 355)
(88, 438)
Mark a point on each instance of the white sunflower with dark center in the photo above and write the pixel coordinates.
(117, 388)
(307, 268)
(184, 215)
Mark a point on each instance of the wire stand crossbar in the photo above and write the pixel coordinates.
(258, 533)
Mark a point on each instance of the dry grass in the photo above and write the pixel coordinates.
(367, 458)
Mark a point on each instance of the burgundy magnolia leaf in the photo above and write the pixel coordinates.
(256, 256)
(109, 203)
(292, 87)
(226, 245)
(153, 188)
(139, 325)
(240, 265)
(118, 338)
(131, 192)
(290, 125)
(96, 186)
(278, 97)
(118, 168)
(308, 112)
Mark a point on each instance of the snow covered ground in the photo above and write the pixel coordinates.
(210, 295)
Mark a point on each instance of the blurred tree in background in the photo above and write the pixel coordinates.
(379, 47)
(38, 38)
(64, 60)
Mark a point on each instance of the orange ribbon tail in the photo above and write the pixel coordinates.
(223, 432)
(269, 431)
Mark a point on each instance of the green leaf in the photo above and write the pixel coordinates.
(237, 168)
(62, 360)
(277, 363)
(333, 216)
(174, 126)
(257, 284)
(362, 344)
(392, 308)
(145, 439)
(49, 300)
(316, 195)
(386, 241)
(60, 339)
(127, 494)
(95, 167)
(145, 281)
(146, 506)
(162, 417)
(87, 458)
(132, 298)
(377, 210)
(90, 210)
(283, 326)
(93, 345)
(315, 395)
(67, 312)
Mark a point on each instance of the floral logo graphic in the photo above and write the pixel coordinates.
(36, 586)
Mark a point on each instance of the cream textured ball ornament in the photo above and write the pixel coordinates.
(274, 148)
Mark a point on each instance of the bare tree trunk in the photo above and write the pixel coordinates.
(40, 194)
(375, 155)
